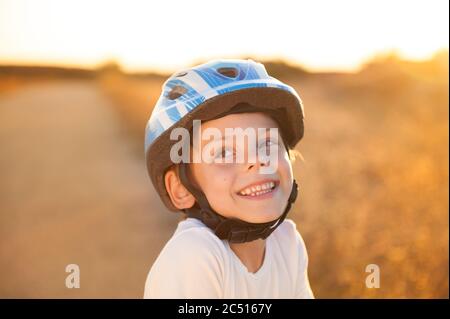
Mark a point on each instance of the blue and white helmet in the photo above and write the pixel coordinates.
(206, 91)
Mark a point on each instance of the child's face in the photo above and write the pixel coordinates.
(222, 183)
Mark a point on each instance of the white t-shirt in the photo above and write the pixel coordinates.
(195, 263)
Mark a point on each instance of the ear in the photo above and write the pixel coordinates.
(180, 196)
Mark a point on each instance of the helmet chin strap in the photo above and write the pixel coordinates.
(231, 229)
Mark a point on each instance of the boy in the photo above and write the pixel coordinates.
(235, 241)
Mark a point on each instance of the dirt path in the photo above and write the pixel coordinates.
(73, 191)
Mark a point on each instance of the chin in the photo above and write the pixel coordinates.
(262, 216)
(252, 212)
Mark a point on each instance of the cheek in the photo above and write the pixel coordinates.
(215, 183)
(220, 182)
(285, 172)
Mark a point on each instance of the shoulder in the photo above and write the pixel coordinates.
(298, 258)
(191, 242)
(193, 256)
(288, 231)
(290, 239)
(193, 234)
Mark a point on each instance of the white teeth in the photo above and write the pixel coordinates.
(258, 190)
(262, 192)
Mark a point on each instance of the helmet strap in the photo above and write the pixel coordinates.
(232, 229)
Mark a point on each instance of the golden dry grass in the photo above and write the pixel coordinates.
(134, 98)
(374, 184)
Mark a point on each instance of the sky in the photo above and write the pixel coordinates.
(320, 35)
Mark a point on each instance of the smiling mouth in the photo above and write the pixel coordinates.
(259, 189)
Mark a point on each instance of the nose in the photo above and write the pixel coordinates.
(255, 163)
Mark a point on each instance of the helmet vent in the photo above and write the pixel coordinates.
(228, 72)
(179, 75)
(176, 92)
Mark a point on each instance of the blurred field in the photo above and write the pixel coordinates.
(374, 184)
(375, 177)
(73, 191)
(12, 83)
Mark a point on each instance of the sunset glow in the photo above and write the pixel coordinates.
(166, 35)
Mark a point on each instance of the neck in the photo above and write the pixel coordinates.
(251, 253)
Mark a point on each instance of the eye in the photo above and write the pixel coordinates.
(268, 143)
(225, 152)
(268, 146)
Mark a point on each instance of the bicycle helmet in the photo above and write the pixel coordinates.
(208, 91)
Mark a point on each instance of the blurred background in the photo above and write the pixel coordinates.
(79, 79)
